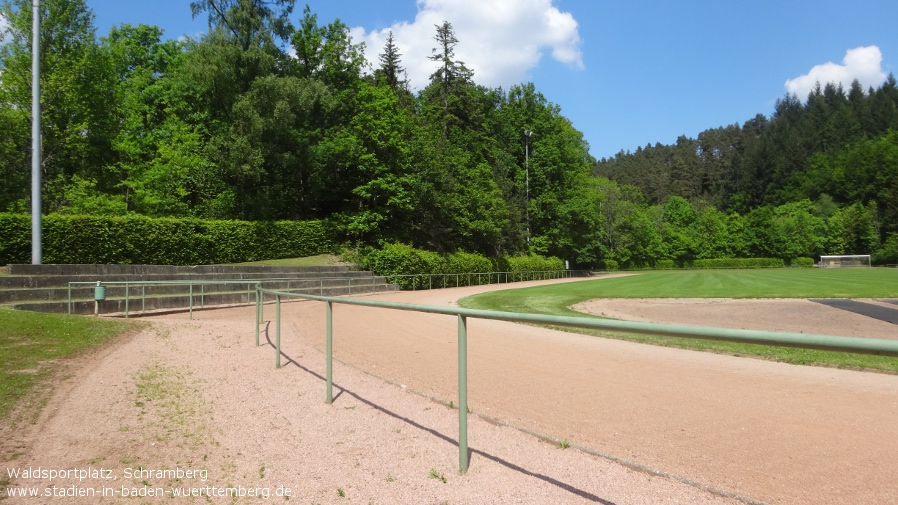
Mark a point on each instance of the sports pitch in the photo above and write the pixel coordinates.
(770, 283)
(777, 285)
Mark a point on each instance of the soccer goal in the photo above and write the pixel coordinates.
(845, 261)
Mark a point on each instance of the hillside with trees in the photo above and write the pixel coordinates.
(273, 115)
(829, 164)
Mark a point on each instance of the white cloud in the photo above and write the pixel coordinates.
(4, 30)
(500, 40)
(861, 63)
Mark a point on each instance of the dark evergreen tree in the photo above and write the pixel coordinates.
(391, 70)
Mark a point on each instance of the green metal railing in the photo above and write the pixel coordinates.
(414, 282)
(196, 289)
(800, 340)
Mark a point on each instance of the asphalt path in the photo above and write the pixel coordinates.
(868, 309)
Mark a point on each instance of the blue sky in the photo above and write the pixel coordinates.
(626, 73)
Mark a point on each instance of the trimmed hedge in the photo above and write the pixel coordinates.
(739, 263)
(73, 239)
(522, 265)
(721, 263)
(412, 268)
(401, 260)
(802, 263)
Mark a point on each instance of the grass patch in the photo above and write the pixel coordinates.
(773, 283)
(30, 342)
(769, 283)
(173, 403)
(437, 475)
(321, 260)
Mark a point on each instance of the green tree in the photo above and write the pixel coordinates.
(712, 234)
(152, 182)
(803, 232)
(76, 94)
(391, 70)
(250, 24)
(867, 172)
(327, 53)
(852, 230)
(763, 238)
(678, 229)
(559, 163)
(384, 201)
(268, 154)
(14, 157)
(449, 83)
(630, 228)
(225, 75)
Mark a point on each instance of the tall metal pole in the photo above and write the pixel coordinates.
(36, 240)
(527, 134)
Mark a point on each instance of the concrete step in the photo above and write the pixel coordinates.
(36, 276)
(31, 281)
(105, 270)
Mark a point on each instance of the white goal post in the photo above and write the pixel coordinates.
(845, 261)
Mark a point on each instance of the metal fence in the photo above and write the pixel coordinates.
(800, 340)
(196, 290)
(415, 282)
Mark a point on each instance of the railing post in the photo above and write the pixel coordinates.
(277, 330)
(462, 393)
(330, 353)
(143, 298)
(70, 297)
(190, 302)
(258, 313)
(127, 298)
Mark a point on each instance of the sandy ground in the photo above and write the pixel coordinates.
(798, 316)
(195, 406)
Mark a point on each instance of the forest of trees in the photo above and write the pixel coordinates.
(272, 115)
(830, 164)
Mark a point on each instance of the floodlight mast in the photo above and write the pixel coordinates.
(36, 252)
(527, 134)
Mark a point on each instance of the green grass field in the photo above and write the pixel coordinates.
(32, 342)
(773, 283)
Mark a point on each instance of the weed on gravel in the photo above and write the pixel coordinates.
(437, 475)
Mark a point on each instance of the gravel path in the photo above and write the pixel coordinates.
(195, 406)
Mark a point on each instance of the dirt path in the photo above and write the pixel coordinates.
(199, 395)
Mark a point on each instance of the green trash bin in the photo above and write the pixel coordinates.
(99, 293)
